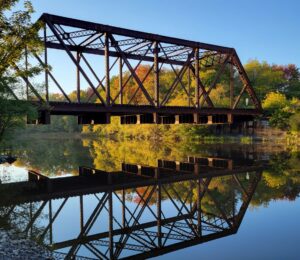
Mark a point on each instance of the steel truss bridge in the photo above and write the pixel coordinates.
(139, 212)
(124, 51)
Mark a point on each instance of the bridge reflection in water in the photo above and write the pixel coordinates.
(138, 212)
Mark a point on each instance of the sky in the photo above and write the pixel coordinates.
(267, 30)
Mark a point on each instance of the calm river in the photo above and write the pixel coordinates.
(87, 199)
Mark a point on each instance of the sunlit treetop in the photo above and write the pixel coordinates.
(17, 33)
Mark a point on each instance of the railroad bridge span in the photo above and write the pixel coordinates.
(121, 53)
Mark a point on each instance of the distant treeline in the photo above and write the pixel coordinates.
(277, 86)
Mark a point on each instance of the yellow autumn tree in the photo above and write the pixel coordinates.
(274, 101)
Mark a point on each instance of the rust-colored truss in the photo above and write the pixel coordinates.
(79, 38)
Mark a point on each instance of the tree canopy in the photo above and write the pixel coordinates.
(17, 35)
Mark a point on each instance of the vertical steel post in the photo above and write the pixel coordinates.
(159, 235)
(197, 77)
(231, 84)
(81, 213)
(121, 80)
(46, 64)
(191, 195)
(106, 53)
(50, 221)
(233, 202)
(199, 208)
(233, 205)
(189, 86)
(110, 227)
(123, 209)
(78, 77)
(156, 75)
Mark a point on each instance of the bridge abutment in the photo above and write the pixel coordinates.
(43, 118)
(94, 119)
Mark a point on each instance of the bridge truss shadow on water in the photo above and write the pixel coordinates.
(139, 212)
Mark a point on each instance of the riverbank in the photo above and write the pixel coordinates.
(187, 135)
(276, 136)
(244, 133)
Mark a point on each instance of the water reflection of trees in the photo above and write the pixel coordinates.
(19, 219)
(281, 180)
(52, 156)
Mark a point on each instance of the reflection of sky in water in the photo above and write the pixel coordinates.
(270, 207)
(11, 173)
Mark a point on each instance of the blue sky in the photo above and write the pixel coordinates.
(262, 29)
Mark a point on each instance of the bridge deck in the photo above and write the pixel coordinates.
(66, 108)
(54, 188)
(95, 113)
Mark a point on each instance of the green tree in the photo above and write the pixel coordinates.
(291, 74)
(264, 77)
(280, 119)
(17, 34)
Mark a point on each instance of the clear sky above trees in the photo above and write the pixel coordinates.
(266, 30)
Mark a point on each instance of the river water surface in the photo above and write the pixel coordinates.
(140, 199)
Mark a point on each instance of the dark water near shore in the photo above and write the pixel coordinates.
(111, 200)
